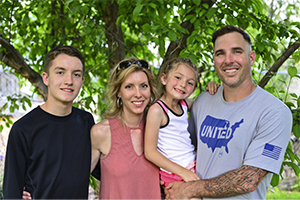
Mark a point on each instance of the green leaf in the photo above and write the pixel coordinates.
(93, 182)
(120, 2)
(178, 27)
(290, 153)
(23, 106)
(295, 168)
(205, 5)
(232, 20)
(120, 20)
(69, 1)
(292, 71)
(193, 58)
(293, 95)
(4, 107)
(137, 10)
(296, 58)
(275, 180)
(161, 47)
(197, 2)
(189, 40)
(146, 27)
(196, 23)
(172, 35)
(152, 5)
(84, 9)
(260, 46)
(288, 103)
(26, 19)
(296, 130)
(211, 12)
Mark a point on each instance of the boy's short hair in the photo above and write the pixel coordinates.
(68, 50)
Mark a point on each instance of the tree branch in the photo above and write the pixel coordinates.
(13, 58)
(273, 70)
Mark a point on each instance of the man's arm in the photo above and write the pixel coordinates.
(235, 182)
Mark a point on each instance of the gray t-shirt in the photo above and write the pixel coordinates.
(254, 131)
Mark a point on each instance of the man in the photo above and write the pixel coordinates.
(242, 131)
(49, 149)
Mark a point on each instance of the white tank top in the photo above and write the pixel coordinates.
(174, 140)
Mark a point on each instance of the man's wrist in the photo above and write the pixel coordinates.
(194, 189)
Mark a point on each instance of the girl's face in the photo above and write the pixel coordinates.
(180, 82)
(135, 93)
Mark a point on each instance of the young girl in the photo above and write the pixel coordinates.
(167, 140)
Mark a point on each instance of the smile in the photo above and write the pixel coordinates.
(230, 70)
(137, 102)
(67, 90)
(179, 91)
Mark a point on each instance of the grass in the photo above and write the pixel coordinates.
(277, 195)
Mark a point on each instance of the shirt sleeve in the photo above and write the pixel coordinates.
(267, 149)
(15, 165)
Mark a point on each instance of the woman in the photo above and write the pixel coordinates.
(118, 139)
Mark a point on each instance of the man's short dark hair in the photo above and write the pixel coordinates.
(229, 29)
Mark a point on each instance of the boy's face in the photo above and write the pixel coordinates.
(64, 80)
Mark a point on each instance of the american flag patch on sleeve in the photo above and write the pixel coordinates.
(272, 151)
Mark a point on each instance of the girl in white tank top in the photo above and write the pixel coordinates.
(167, 140)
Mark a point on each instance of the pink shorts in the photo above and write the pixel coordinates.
(171, 177)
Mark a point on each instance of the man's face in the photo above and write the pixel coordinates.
(64, 79)
(233, 59)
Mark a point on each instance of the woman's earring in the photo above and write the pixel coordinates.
(119, 102)
(151, 101)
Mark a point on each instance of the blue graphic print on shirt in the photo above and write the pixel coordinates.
(217, 132)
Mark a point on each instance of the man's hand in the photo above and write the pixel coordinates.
(176, 190)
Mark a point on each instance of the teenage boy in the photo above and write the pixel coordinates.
(49, 149)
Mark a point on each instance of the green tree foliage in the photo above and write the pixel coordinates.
(107, 31)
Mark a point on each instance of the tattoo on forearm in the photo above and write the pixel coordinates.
(240, 181)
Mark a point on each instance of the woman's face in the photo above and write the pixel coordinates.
(135, 93)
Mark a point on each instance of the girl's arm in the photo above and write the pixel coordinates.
(189, 103)
(154, 120)
(211, 87)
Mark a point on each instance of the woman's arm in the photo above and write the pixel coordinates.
(101, 141)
